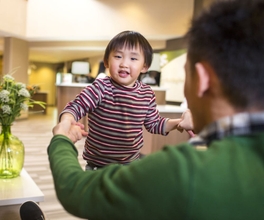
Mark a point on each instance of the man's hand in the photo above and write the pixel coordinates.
(71, 129)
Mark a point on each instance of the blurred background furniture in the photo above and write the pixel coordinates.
(14, 192)
(39, 96)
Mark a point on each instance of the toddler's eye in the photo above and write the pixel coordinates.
(117, 56)
(133, 58)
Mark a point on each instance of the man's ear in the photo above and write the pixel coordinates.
(203, 78)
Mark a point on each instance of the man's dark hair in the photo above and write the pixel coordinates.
(230, 37)
(130, 39)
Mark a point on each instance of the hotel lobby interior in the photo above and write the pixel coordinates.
(41, 38)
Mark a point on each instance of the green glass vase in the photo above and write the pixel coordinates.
(12, 154)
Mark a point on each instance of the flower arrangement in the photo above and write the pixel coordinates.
(14, 97)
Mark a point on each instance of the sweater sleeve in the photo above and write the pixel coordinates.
(155, 187)
(86, 101)
(154, 123)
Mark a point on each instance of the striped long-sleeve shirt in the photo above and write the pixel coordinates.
(116, 116)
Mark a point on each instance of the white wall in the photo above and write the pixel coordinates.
(13, 14)
(172, 78)
(88, 19)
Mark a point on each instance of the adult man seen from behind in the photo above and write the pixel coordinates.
(224, 89)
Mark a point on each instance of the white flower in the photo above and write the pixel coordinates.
(8, 77)
(21, 85)
(4, 96)
(6, 109)
(24, 106)
(23, 92)
(14, 97)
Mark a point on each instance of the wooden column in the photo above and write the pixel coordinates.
(16, 54)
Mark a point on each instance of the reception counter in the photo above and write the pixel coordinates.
(67, 92)
(14, 192)
(152, 142)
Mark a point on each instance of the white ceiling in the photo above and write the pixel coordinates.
(55, 38)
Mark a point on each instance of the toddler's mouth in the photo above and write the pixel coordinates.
(123, 73)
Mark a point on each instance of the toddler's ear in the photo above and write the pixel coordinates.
(144, 69)
(106, 65)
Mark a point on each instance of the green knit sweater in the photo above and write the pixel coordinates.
(224, 182)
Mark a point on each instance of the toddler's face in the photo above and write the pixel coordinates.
(126, 64)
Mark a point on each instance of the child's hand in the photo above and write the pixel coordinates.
(186, 122)
(70, 128)
(84, 133)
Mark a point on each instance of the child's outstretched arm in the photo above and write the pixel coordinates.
(66, 116)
